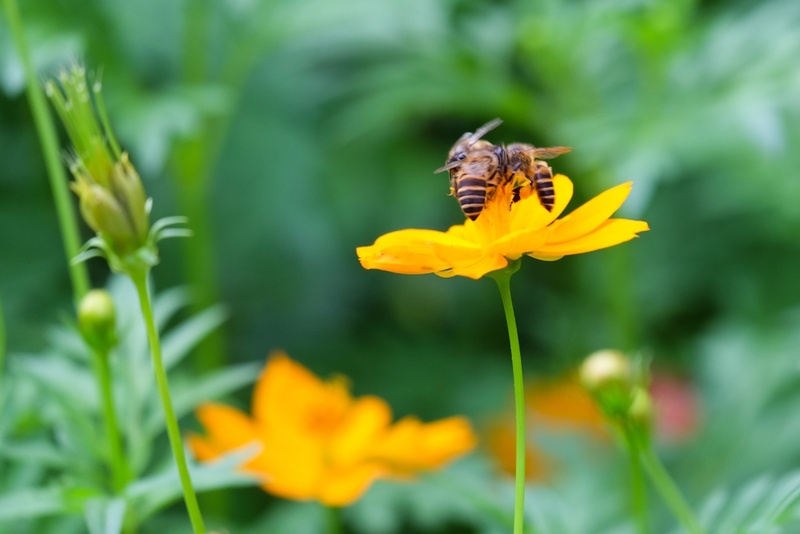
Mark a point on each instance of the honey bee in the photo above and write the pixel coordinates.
(477, 167)
(523, 159)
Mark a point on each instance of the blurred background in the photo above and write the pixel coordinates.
(291, 132)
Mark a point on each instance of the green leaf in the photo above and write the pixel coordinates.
(177, 343)
(761, 505)
(104, 516)
(29, 503)
(150, 494)
(186, 395)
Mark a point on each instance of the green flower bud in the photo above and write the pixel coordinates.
(608, 376)
(128, 189)
(97, 321)
(112, 197)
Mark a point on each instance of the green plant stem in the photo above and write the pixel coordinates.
(120, 471)
(638, 494)
(333, 520)
(669, 491)
(140, 280)
(503, 279)
(2, 353)
(50, 147)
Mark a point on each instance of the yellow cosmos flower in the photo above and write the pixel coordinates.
(320, 443)
(500, 234)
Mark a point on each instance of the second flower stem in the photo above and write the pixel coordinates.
(669, 491)
(52, 156)
(638, 494)
(120, 472)
(503, 279)
(174, 433)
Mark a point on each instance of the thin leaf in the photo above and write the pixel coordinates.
(177, 343)
(104, 516)
(150, 494)
(29, 503)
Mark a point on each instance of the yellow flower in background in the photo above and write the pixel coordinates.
(319, 443)
(500, 234)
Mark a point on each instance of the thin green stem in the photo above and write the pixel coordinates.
(503, 279)
(120, 471)
(669, 491)
(189, 497)
(2, 353)
(333, 520)
(50, 147)
(638, 492)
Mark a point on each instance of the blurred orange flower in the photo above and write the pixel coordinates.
(500, 234)
(320, 443)
(557, 406)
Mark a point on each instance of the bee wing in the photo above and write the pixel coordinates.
(451, 165)
(547, 153)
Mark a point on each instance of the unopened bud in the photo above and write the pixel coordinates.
(112, 198)
(96, 320)
(608, 376)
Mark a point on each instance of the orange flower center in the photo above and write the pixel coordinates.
(322, 420)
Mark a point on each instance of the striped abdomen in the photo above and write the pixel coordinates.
(471, 194)
(475, 181)
(543, 182)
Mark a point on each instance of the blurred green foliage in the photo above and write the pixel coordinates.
(293, 131)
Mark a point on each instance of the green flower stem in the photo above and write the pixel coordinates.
(140, 281)
(333, 520)
(503, 279)
(638, 494)
(669, 491)
(120, 471)
(52, 158)
(2, 353)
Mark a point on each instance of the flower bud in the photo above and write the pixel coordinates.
(96, 320)
(608, 376)
(112, 198)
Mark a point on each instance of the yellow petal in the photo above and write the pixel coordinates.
(610, 233)
(292, 464)
(367, 418)
(529, 213)
(227, 427)
(476, 268)
(516, 244)
(343, 487)
(281, 380)
(411, 446)
(590, 215)
(407, 251)
(289, 397)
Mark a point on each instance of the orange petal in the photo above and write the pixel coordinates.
(203, 449)
(590, 215)
(227, 427)
(284, 391)
(343, 487)
(411, 446)
(293, 465)
(367, 418)
(610, 233)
